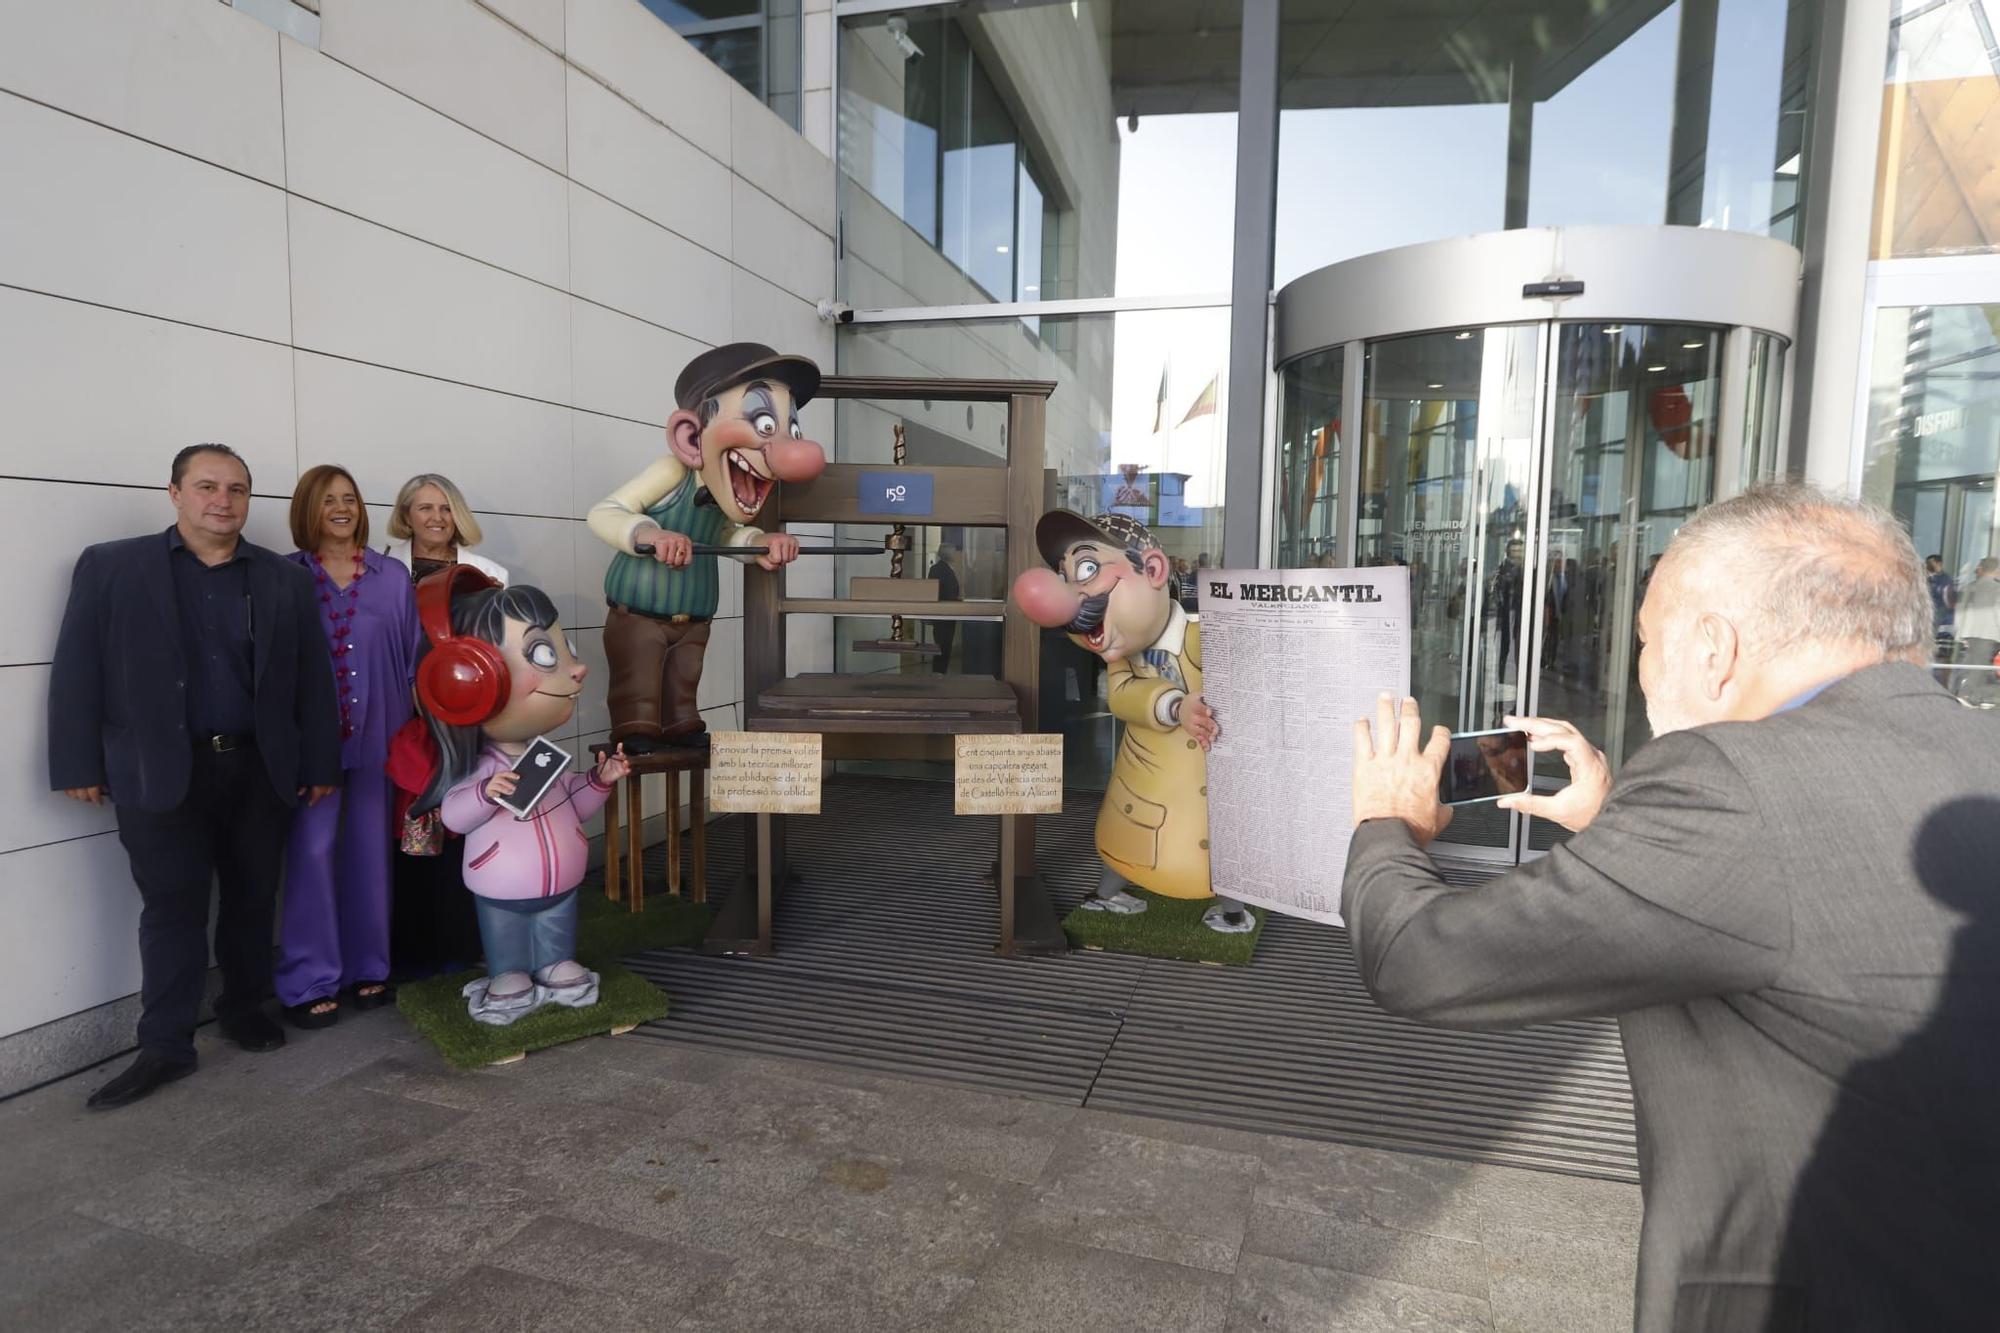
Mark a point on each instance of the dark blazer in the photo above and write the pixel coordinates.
(1797, 922)
(117, 691)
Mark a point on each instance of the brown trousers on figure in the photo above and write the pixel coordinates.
(655, 673)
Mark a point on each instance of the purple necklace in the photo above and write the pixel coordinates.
(340, 606)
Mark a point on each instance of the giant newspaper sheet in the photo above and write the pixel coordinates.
(1290, 658)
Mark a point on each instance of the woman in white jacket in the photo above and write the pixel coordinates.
(432, 927)
(434, 527)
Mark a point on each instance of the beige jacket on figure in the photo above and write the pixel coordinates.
(1153, 826)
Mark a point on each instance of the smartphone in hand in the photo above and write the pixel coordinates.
(538, 768)
(1484, 766)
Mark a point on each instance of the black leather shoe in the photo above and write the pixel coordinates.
(140, 1078)
(253, 1030)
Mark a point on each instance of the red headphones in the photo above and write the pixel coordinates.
(462, 681)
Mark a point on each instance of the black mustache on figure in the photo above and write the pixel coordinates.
(1091, 614)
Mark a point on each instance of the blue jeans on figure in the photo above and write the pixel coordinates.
(530, 948)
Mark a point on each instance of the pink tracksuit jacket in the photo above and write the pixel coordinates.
(538, 857)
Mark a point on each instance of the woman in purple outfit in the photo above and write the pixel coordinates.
(335, 937)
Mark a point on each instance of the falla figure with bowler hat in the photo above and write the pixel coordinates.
(1111, 588)
(733, 438)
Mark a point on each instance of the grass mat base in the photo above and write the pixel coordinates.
(605, 932)
(1168, 928)
(437, 1009)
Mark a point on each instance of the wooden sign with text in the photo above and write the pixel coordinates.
(1008, 775)
(764, 772)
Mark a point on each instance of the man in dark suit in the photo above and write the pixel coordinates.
(1788, 899)
(192, 689)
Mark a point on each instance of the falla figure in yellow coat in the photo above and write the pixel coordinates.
(1111, 586)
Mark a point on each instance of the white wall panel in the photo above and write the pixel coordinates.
(622, 260)
(458, 58)
(593, 557)
(77, 957)
(609, 453)
(31, 814)
(631, 49)
(53, 522)
(625, 366)
(591, 714)
(540, 19)
(539, 551)
(117, 221)
(367, 149)
(387, 425)
(364, 292)
(175, 385)
(764, 314)
(190, 74)
(778, 245)
(617, 151)
(768, 153)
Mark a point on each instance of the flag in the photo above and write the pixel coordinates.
(1160, 407)
(1204, 405)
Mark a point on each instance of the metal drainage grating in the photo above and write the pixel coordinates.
(889, 967)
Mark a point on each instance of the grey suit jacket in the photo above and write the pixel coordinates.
(1797, 922)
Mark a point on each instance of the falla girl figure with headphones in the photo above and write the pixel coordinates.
(499, 672)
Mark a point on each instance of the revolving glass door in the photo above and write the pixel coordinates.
(1530, 476)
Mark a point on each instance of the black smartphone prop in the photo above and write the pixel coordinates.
(1484, 766)
(538, 768)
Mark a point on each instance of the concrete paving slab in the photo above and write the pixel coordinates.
(876, 1206)
(1044, 1286)
(1145, 1197)
(1353, 1244)
(802, 1288)
(497, 1300)
(1274, 1294)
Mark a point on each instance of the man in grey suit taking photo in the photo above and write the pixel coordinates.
(1790, 899)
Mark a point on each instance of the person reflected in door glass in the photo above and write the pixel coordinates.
(1503, 603)
(1979, 636)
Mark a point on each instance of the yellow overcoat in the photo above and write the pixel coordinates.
(1153, 826)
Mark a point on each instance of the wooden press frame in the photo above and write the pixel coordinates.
(1013, 496)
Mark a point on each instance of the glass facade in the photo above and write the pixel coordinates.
(1938, 182)
(1932, 454)
(1309, 459)
(756, 42)
(1529, 476)
(1000, 153)
(1930, 446)
(1447, 120)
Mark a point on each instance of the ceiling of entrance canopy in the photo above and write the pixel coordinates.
(1171, 56)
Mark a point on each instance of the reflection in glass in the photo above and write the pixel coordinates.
(756, 42)
(1763, 403)
(1309, 391)
(1933, 449)
(1038, 150)
(1634, 424)
(1454, 119)
(1447, 451)
(981, 158)
(1938, 183)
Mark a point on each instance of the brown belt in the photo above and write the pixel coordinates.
(680, 619)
